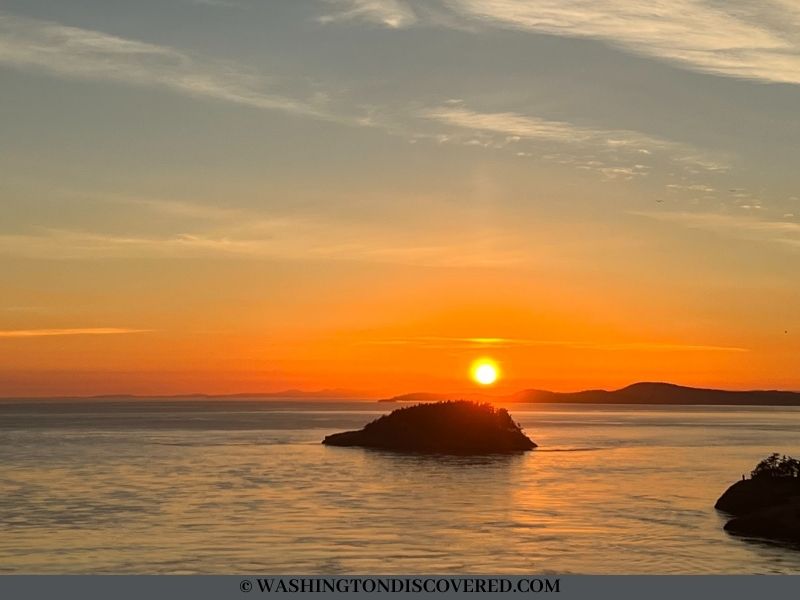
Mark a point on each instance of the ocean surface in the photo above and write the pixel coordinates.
(222, 486)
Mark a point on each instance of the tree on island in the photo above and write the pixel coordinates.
(776, 465)
(768, 504)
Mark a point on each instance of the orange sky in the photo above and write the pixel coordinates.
(376, 329)
(321, 197)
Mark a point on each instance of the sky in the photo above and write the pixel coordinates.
(228, 196)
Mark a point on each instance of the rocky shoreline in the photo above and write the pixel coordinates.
(766, 505)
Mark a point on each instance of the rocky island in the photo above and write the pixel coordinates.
(450, 427)
(766, 505)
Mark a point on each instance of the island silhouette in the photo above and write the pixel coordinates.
(767, 504)
(450, 427)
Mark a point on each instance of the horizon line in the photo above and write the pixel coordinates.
(356, 395)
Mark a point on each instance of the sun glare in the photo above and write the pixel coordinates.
(485, 371)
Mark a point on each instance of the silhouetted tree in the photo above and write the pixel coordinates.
(776, 465)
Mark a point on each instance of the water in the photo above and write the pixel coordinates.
(245, 486)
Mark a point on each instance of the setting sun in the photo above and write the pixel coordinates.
(485, 372)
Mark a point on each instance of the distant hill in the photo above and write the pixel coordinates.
(637, 393)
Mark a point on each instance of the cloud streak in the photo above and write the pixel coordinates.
(393, 14)
(737, 39)
(501, 342)
(515, 126)
(741, 226)
(530, 127)
(72, 52)
(279, 238)
(34, 333)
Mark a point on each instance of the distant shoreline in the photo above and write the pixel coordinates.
(651, 393)
(184, 398)
(644, 393)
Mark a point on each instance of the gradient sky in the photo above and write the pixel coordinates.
(239, 195)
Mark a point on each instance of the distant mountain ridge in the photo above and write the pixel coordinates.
(637, 393)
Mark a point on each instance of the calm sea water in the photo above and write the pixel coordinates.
(222, 486)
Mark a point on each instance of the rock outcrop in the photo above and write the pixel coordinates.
(768, 504)
(781, 522)
(750, 495)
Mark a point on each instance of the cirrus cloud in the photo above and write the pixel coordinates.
(734, 38)
(34, 333)
(78, 53)
(516, 127)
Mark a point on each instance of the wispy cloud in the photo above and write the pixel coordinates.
(216, 3)
(734, 38)
(487, 343)
(742, 226)
(397, 14)
(32, 333)
(530, 127)
(389, 13)
(179, 208)
(73, 52)
(277, 238)
(515, 126)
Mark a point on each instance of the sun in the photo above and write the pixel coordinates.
(485, 371)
